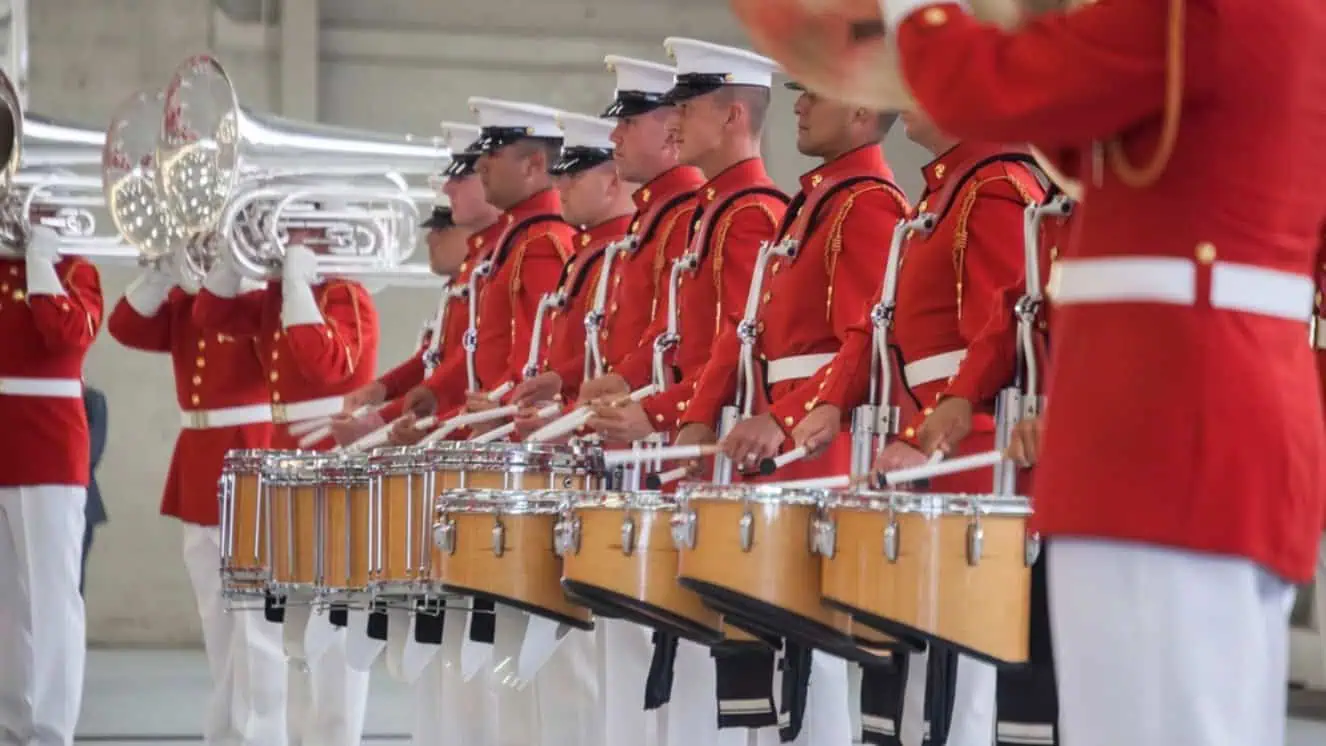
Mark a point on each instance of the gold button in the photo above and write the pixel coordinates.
(4, 288)
(584, 239)
(196, 400)
(909, 432)
(13, 271)
(788, 421)
(197, 380)
(766, 297)
(815, 180)
(645, 194)
(510, 218)
(276, 336)
(658, 418)
(921, 207)
(828, 370)
(478, 242)
(274, 377)
(64, 306)
(810, 405)
(774, 269)
(275, 355)
(635, 226)
(202, 344)
(329, 334)
(935, 17)
(1206, 252)
(681, 406)
(928, 411)
(19, 295)
(939, 170)
(614, 308)
(710, 193)
(200, 362)
(276, 396)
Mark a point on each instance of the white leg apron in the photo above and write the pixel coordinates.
(327, 697)
(1162, 647)
(43, 637)
(566, 694)
(247, 705)
(626, 650)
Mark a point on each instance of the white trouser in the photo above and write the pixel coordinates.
(974, 693)
(327, 697)
(247, 706)
(450, 711)
(1163, 647)
(566, 694)
(626, 650)
(828, 717)
(1319, 595)
(43, 637)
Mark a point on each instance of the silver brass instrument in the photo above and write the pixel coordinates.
(877, 419)
(252, 178)
(48, 179)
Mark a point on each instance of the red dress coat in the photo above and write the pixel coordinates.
(947, 281)
(714, 293)
(212, 371)
(1177, 419)
(308, 362)
(665, 208)
(807, 302)
(44, 440)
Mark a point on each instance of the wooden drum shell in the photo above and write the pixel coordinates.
(346, 560)
(244, 561)
(983, 608)
(293, 515)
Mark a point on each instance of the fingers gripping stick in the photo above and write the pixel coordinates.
(570, 422)
(937, 467)
(510, 427)
(474, 418)
(381, 435)
(678, 453)
(312, 431)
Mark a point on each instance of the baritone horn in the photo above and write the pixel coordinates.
(252, 178)
(840, 48)
(48, 179)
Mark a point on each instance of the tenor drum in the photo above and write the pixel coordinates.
(292, 510)
(403, 489)
(348, 548)
(498, 545)
(951, 568)
(619, 559)
(514, 466)
(749, 551)
(245, 569)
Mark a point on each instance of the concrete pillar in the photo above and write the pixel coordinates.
(299, 59)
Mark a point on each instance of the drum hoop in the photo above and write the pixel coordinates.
(650, 500)
(933, 504)
(310, 468)
(546, 457)
(500, 502)
(753, 493)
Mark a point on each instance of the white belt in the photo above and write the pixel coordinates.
(59, 388)
(796, 367)
(206, 419)
(284, 414)
(934, 368)
(1137, 279)
(1319, 341)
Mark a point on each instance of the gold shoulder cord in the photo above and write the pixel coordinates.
(1146, 175)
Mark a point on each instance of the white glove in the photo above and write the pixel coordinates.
(298, 306)
(223, 279)
(42, 253)
(148, 292)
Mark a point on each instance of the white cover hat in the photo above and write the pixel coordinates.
(460, 138)
(504, 122)
(703, 67)
(641, 85)
(586, 142)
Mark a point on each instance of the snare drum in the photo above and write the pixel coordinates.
(402, 521)
(244, 567)
(290, 483)
(748, 550)
(619, 559)
(514, 466)
(952, 568)
(498, 545)
(348, 556)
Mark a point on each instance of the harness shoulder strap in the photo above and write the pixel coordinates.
(656, 219)
(509, 237)
(710, 218)
(944, 198)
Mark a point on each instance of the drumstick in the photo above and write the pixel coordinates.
(940, 468)
(469, 418)
(571, 421)
(510, 427)
(318, 428)
(382, 434)
(655, 481)
(796, 454)
(663, 453)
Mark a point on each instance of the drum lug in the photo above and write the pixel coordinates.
(823, 537)
(444, 535)
(499, 537)
(566, 536)
(628, 536)
(975, 542)
(1031, 549)
(891, 540)
(683, 529)
(747, 527)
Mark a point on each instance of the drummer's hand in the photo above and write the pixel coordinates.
(540, 388)
(373, 394)
(620, 423)
(946, 426)
(528, 420)
(346, 429)
(818, 429)
(1024, 446)
(609, 386)
(898, 455)
(754, 439)
(404, 433)
(421, 401)
(695, 434)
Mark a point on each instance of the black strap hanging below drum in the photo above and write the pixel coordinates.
(428, 616)
(273, 609)
(483, 621)
(883, 688)
(744, 676)
(658, 684)
(339, 615)
(377, 622)
(797, 661)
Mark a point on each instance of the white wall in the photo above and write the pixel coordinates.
(395, 65)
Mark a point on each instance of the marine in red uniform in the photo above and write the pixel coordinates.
(808, 300)
(221, 389)
(317, 340)
(594, 196)
(453, 251)
(947, 283)
(524, 256)
(722, 95)
(1181, 306)
(50, 311)
(645, 151)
